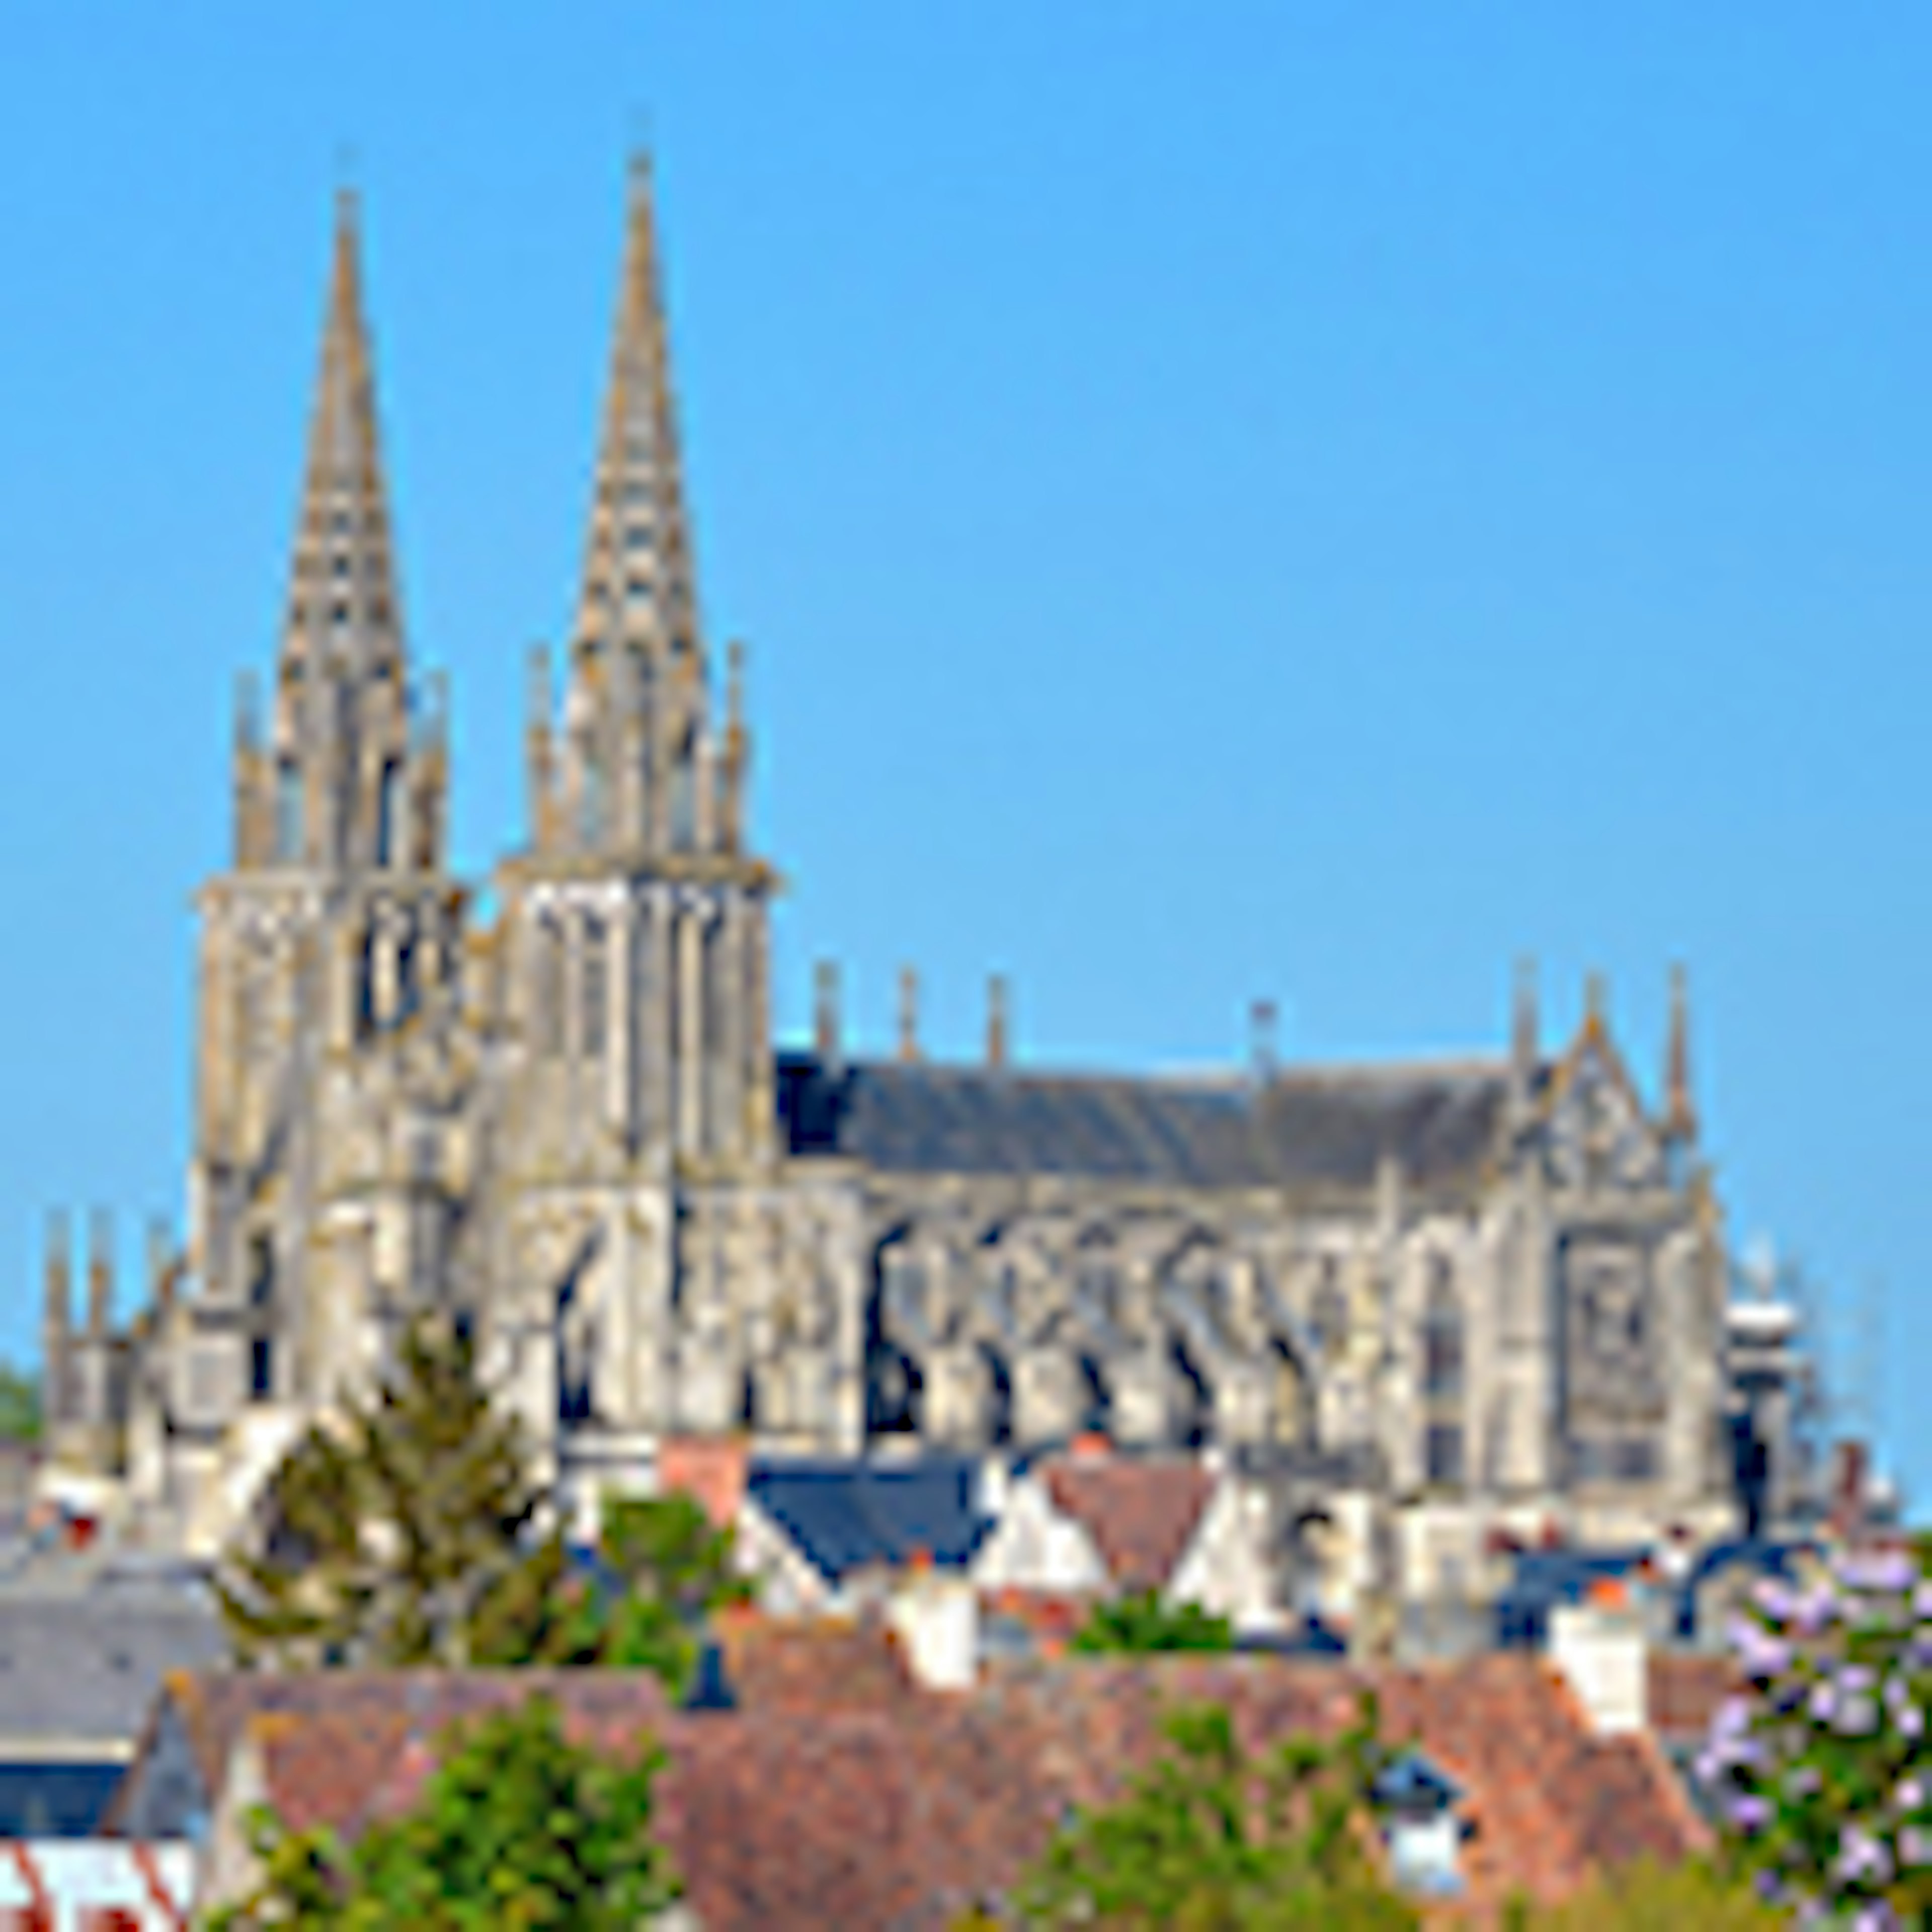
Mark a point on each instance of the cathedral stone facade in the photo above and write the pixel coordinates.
(1456, 1296)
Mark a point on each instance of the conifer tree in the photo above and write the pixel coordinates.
(390, 1524)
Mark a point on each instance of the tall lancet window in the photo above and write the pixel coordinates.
(596, 984)
(389, 814)
(288, 810)
(1443, 1378)
(684, 795)
(592, 802)
(546, 1017)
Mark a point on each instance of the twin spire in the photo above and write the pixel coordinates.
(343, 607)
(639, 586)
(638, 769)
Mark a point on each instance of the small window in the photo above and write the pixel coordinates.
(261, 1368)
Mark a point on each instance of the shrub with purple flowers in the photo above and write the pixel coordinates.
(1820, 1774)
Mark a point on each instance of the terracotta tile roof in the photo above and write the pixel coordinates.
(813, 1664)
(216, 1705)
(1685, 1691)
(900, 1811)
(1141, 1511)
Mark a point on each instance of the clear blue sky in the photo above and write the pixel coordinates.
(1299, 500)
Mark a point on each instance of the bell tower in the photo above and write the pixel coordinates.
(637, 922)
(334, 928)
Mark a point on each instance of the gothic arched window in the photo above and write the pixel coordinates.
(1441, 1336)
(591, 801)
(261, 1317)
(684, 795)
(389, 813)
(1328, 1308)
(288, 810)
(546, 988)
(594, 1014)
(1444, 1437)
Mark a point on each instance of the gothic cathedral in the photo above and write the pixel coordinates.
(1455, 1295)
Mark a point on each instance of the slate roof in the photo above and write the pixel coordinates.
(1302, 1129)
(846, 1516)
(55, 1801)
(83, 1665)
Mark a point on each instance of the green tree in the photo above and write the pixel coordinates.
(20, 1405)
(1206, 1839)
(390, 1526)
(664, 1570)
(517, 1826)
(1645, 1897)
(1134, 1625)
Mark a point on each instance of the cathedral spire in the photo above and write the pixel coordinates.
(342, 599)
(638, 763)
(348, 789)
(638, 586)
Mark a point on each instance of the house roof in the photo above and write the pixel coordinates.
(849, 1516)
(1331, 1128)
(1141, 1511)
(55, 1801)
(83, 1665)
(902, 1814)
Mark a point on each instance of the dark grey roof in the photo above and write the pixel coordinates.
(84, 1666)
(850, 1516)
(1299, 1128)
(55, 1801)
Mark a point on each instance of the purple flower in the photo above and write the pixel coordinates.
(1884, 1569)
(1909, 1796)
(1912, 1722)
(1814, 1608)
(1876, 1916)
(1921, 1597)
(1915, 1846)
(1750, 1812)
(1823, 1701)
(1759, 1654)
(1862, 1856)
(1856, 1677)
(1775, 1598)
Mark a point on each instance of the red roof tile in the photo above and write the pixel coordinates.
(1142, 1512)
(895, 1809)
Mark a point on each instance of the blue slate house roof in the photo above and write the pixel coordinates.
(845, 1517)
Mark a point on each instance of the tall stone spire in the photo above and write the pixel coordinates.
(638, 766)
(342, 597)
(346, 788)
(639, 586)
